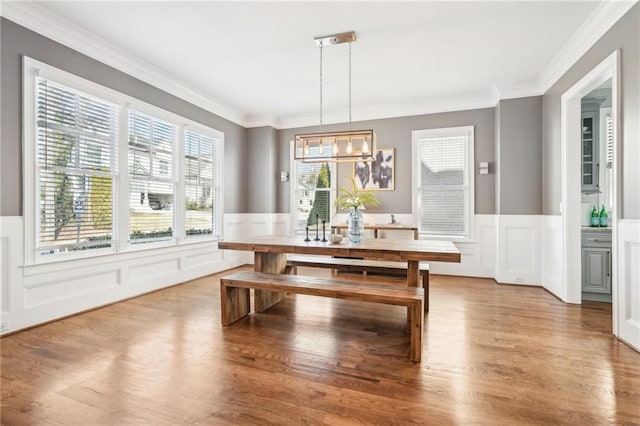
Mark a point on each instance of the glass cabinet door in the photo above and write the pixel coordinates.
(589, 153)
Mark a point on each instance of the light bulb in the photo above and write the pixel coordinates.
(335, 146)
(365, 147)
(306, 148)
(321, 146)
(349, 147)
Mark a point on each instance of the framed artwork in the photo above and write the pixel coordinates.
(378, 174)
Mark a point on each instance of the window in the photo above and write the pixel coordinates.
(76, 136)
(443, 182)
(312, 193)
(151, 184)
(200, 192)
(105, 172)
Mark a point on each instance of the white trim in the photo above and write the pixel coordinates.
(570, 164)
(605, 15)
(468, 131)
(55, 27)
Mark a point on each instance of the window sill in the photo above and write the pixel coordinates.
(107, 256)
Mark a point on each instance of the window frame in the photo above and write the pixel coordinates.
(293, 178)
(125, 103)
(416, 135)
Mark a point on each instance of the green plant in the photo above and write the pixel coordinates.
(354, 198)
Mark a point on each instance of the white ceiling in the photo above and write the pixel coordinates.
(261, 59)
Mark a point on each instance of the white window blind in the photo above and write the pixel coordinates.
(151, 178)
(77, 138)
(443, 181)
(201, 190)
(312, 193)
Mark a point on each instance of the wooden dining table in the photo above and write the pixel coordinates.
(270, 255)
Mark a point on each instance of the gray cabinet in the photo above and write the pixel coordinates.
(590, 152)
(596, 270)
(596, 265)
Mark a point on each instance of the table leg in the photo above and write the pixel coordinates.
(413, 278)
(268, 262)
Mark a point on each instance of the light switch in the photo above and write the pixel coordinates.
(484, 168)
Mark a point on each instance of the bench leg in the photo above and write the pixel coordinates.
(417, 315)
(234, 303)
(268, 262)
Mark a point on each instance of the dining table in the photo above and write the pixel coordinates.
(270, 255)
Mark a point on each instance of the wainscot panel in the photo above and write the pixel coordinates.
(519, 249)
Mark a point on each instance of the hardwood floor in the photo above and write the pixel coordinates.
(492, 354)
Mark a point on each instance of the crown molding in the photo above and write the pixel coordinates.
(403, 109)
(519, 92)
(604, 16)
(40, 20)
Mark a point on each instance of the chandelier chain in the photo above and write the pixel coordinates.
(320, 88)
(349, 85)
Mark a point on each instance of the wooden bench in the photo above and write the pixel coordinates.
(235, 300)
(361, 265)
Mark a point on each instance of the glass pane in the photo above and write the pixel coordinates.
(444, 210)
(151, 211)
(200, 189)
(76, 136)
(444, 197)
(75, 211)
(312, 193)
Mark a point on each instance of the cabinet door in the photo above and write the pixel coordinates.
(596, 270)
(590, 153)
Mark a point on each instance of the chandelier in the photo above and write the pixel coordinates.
(348, 145)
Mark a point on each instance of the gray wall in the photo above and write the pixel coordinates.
(16, 41)
(519, 148)
(396, 133)
(624, 35)
(263, 177)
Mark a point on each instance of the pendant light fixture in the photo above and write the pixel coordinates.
(349, 145)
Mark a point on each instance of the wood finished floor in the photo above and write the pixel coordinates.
(492, 355)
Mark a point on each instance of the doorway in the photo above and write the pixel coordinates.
(597, 194)
(571, 207)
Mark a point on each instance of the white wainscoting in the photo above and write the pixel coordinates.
(36, 294)
(506, 248)
(551, 255)
(477, 257)
(519, 249)
(627, 294)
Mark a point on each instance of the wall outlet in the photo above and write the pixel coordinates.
(518, 280)
(4, 326)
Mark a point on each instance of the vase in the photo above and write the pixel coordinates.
(355, 225)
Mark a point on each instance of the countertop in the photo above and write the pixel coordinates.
(595, 229)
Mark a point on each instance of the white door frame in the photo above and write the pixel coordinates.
(571, 183)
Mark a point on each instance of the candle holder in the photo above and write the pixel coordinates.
(306, 240)
(324, 237)
(317, 238)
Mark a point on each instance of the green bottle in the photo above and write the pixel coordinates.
(595, 217)
(604, 217)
